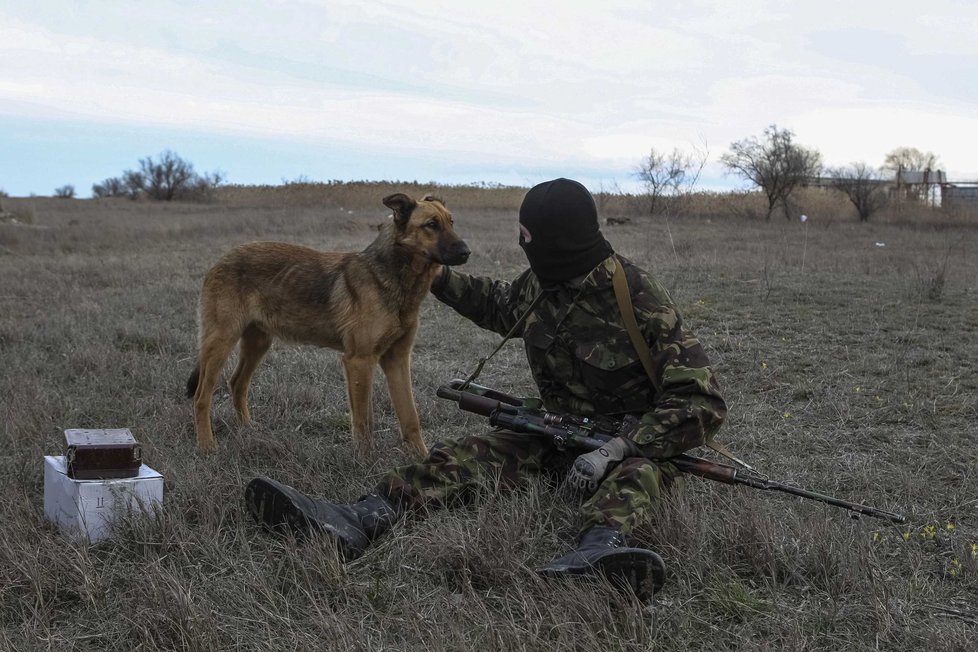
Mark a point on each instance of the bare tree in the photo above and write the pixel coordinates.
(66, 191)
(111, 187)
(774, 163)
(167, 178)
(164, 178)
(909, 159)
(133, 183)
(863, 186)
(672, 174)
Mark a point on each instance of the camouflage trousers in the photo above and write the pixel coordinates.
(454, 471)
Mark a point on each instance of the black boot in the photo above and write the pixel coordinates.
(602, 552)
(353, 527)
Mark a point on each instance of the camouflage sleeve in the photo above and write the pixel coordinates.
(490, 304)
(688, 407)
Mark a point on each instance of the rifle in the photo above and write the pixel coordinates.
(570, 431)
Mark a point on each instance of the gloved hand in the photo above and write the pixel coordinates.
(440, 279)
(590, 468)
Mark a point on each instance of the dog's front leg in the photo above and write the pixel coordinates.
(359, 382)
(396, 363)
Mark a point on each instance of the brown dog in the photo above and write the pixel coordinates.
(364, 304)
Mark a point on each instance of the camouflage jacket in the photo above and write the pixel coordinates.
(582, 358)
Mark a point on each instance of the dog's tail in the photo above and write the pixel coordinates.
(192, 381)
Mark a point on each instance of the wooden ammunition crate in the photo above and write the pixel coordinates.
(102, 454)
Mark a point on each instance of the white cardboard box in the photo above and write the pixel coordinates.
(89, 508)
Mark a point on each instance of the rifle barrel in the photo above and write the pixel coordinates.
(730, 475)
(858, 508)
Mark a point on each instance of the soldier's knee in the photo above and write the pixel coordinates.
(441, 452)
(640, 471)
(470, 447)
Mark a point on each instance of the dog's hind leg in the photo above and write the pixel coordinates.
(396, 363)
(252, 349)
(214, 351)
(359, 384)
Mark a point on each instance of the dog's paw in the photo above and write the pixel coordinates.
(416, 448)
(207, 446)
(364, 450)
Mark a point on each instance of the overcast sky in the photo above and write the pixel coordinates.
(512, 92)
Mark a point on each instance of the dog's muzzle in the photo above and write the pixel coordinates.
(456, 254)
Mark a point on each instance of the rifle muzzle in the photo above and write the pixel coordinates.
(473, 402)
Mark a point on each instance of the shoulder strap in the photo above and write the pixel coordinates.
(624, 298)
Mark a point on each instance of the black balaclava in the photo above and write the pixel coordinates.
(559, 231)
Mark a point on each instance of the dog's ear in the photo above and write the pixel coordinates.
(402, 205)
(435, 198)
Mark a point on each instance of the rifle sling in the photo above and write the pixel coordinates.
(512, 331)
(624, 298)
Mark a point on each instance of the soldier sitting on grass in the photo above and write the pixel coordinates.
(583, 363)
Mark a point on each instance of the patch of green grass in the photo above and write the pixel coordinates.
(735, 601)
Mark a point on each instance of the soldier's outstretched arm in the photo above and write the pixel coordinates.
(489, 303)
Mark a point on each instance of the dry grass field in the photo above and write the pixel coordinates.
(848, 353)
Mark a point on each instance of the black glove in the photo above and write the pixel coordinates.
(590, 468)
(438, 283)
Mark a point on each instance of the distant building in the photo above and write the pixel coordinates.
(928, 186)
(959, 195)
(920, 185)
(920, 177)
